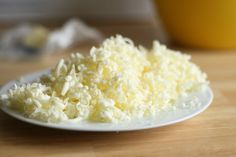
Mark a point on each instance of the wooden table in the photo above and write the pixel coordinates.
(211, 134)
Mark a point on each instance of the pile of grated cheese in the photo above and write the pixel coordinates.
(116, 82)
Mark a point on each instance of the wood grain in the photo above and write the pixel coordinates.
(212, 133)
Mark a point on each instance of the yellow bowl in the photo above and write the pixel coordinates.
(200, 23)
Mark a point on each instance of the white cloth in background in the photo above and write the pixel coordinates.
(74, 31)
(13, 45)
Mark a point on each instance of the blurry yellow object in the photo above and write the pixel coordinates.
(200, 23)
(37, 38)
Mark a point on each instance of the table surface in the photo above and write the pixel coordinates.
(212, 133)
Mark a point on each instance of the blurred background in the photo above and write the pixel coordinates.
(110, 17)
(91, 10)
(35, 34)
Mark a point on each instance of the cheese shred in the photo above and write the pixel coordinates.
(116, 82)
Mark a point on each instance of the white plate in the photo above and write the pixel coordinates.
(162, 119)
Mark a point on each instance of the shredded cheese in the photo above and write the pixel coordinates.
(116, 82)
